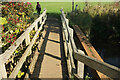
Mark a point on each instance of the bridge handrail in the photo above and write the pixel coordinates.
(68, 32)
(9, 52)
(105, 68)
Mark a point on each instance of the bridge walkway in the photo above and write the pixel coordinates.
(50, 62)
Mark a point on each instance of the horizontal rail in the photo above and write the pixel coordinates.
(26, 53)
(71, 47)
(70, 34)
(105, 68)
(89, 49)
(8, 53)
(109, 70)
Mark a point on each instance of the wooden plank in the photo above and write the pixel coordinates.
(69, 66)
(88, 48)
(0, 48)
(65, 45)
(3, 73)
(0, 40)
(80, 67)
(86, 44)
(70, 48)
(40, 20)
(71, 58)
(107, 69)
(76, 77)
(27, 39)
(68, 28)
(70, 61)
(23, 58)
(65, 38)
(36, 27)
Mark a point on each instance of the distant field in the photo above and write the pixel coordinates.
(54, 7)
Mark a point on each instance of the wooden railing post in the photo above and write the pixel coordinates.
(40, 20)
(28, 42)
(68, 34)
(80, 67)
(0, 40)
(0, 46)
(3, 73)
(9, 52)
(27, 38)
(105, 68)
(36, 27)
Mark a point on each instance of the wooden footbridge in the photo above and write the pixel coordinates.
(56, 54)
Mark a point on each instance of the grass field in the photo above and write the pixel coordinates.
(54, 7)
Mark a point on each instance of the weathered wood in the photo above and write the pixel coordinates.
(27, 39)
(0, 40)
(36, 27)
(67, 28)
(86, 44)
(0, 46)
(65, 37)
(109, 70)
(80, 67)
(3, 73)
(40, 20)
(71, 58)
(88, 48)
(65, 45)
(77, 77)
(23, 58)
(71, 65)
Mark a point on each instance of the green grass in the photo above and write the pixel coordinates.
(54, 7)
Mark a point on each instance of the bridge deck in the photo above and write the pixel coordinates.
(49, 61)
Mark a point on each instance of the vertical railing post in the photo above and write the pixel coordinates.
(0, 46)
(36, 27)
(27, 39)
(0, 40)
(3, 73)
(40, 20)
(80, 67)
